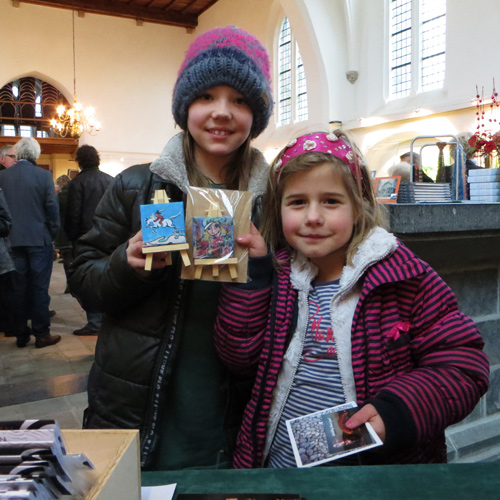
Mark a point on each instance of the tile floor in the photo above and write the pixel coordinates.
(49, 382)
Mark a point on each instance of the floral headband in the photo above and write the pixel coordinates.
(322, 143)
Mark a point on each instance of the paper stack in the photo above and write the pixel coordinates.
(484, 184)
(424, 192)
(34, 463)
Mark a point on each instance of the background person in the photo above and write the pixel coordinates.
(155, 366)
(401, 169)
(62, 243)
(84, 194)
(30, 194)
(7, 157)
(417, 166)
(6, 268)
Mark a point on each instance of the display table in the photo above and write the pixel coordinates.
(449, 234)
(479, 481)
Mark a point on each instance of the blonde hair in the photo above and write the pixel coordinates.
(236, 173)
(402, 169)
(367, 213)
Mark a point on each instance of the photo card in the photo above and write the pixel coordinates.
(387, 188)
(322, 436)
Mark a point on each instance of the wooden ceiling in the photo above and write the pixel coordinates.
(182, 13)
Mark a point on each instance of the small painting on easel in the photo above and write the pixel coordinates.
(214, 220)
(163, 224)
(213, 237)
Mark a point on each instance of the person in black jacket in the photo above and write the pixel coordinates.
(84, 194)
(62, 243)
(155, 366)
(6, 268)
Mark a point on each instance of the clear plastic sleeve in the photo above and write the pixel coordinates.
(214, 219)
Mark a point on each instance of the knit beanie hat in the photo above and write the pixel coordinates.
(225, 56)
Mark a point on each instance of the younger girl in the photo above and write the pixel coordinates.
(347, 314)
(155, 366)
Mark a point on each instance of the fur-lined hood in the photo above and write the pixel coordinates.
(171, 166)
(378, 244)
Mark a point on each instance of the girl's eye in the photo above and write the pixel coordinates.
(297, 202)
(241, 100)
(331, 201)
(205, 97)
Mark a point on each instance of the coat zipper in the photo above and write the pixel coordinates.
(268, 448)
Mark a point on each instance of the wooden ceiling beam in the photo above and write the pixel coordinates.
(121, 9)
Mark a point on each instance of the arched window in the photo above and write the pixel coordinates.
(292, 89)
(26, 106)
(417, 46)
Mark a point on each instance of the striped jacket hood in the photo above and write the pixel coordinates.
(375, 247)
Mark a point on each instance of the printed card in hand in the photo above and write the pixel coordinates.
(322, 436)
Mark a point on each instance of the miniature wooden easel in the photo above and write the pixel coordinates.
(215, 211)
(161, 197)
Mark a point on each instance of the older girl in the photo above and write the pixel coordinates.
(155, 365)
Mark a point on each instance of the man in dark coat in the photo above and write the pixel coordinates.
(6, 269)
(31, 197)
(84, 194)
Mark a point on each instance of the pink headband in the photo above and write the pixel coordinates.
(322, 143)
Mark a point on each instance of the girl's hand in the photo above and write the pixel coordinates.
(368, 414)
(137, 260)
(254, 241)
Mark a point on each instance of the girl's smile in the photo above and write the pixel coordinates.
(220, 121)
(318, 219)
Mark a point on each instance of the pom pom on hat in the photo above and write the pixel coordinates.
(225, 56)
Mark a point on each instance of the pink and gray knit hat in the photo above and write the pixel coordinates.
(225, 56)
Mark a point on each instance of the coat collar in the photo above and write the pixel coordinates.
(376, 246)
(171, 166)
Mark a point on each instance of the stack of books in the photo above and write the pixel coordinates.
(424, 192)
(484, 184)
(34, 463)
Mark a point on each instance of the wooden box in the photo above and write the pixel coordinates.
(115, 455)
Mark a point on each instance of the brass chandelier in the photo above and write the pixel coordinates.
(74, 121)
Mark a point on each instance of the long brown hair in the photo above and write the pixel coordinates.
(368, 214)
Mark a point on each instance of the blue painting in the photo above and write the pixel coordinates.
(163, 224)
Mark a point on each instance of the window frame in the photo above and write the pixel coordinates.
(417, 84)
(291, 101)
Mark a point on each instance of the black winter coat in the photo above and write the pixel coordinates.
(6, 262)
(84, 194)
(143, 316)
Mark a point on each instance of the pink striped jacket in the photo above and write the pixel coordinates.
(414, 355)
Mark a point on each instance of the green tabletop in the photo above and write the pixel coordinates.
(478, 481)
